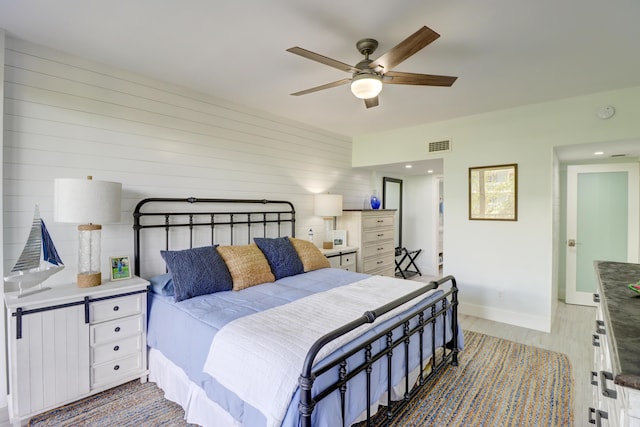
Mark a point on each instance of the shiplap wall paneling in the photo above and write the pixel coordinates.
(70, 117)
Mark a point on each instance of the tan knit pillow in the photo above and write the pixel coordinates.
(247, 265)
(310, 255)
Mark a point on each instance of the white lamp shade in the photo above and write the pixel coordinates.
(366, 86)
(86, 201)
(327, 205)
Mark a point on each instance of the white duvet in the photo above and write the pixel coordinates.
(260, 357)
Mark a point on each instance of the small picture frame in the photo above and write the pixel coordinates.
(339, 238)
(120, 267)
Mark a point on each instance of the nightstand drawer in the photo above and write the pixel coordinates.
(115, 329)
(110, 372)
(348, 259)
(116, 308)
(116, 349)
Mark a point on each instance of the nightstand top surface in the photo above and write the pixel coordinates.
(58, 294)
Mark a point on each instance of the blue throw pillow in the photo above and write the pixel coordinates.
(281, 255)
(197, 271)
(162, 284)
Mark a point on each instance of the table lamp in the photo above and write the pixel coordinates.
(328, 206)
(89, 203)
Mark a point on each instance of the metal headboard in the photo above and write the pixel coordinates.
(218, 217)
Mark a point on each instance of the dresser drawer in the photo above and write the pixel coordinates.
(373, 264)
(378, 221)
(386, 234)
(116, 349)
(116, 308)
(382, 248)
(115, 329)
(109, 372)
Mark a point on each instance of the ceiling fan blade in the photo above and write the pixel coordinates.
(326, 86)
(322, 59)
(371, 102)
(405, 49)
(399, 78)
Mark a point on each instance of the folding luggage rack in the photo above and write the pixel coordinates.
(410, 257)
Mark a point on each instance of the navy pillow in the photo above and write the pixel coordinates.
(281, 255)
(197, 271)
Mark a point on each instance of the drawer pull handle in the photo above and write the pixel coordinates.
(380, 262)
(116, 348)
(600, 327)
(115, 368)
(117, 329)
(380, 220)
(380, 235)
(594, 378)
(116, 308)
(608, 392)
(596, 297)
(600, 415)
(380, 249)
(596, 340)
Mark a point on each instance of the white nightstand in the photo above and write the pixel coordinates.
(344, 257)
(67, 343)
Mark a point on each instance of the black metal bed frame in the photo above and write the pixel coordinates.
(413, 324)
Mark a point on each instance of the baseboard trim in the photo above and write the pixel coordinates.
(537, 323)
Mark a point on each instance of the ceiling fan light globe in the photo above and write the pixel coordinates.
(366, 86)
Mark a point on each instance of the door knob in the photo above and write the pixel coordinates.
(571, 243)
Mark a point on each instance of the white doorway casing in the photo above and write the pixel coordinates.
(575, 245)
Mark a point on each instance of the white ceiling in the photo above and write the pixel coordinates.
(505, 53)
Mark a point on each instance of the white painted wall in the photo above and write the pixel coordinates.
(67, 117)
(3, 359)
(506, 270)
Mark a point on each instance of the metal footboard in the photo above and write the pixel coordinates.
(440, 313)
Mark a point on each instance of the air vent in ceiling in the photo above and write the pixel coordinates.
(440, 146)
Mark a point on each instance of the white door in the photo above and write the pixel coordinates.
(602, 223)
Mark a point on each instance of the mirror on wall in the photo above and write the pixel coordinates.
(392, 199)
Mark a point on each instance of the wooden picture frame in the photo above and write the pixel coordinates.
(339, 238)
(493, 193)
(120, 267)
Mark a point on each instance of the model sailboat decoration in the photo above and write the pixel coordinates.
(39, 259)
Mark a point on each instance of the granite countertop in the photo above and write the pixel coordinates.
(621, 307)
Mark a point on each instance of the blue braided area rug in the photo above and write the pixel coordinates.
(497, 383)
(131, 404)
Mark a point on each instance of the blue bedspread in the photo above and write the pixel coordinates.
(183, 331)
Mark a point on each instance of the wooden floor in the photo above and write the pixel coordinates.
(571, 333)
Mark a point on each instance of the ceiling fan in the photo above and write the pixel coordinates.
(369, 75)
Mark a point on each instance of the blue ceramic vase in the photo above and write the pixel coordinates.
(375, 201)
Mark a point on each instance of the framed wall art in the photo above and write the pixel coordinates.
(493, 193)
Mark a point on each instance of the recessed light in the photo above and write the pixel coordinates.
(408, 166)
(598, 153)
(430, 171)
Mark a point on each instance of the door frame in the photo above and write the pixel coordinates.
(633, 225)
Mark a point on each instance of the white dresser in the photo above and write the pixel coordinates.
(67, 343)
(616, 341)
(373, 231)
(344, 257)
